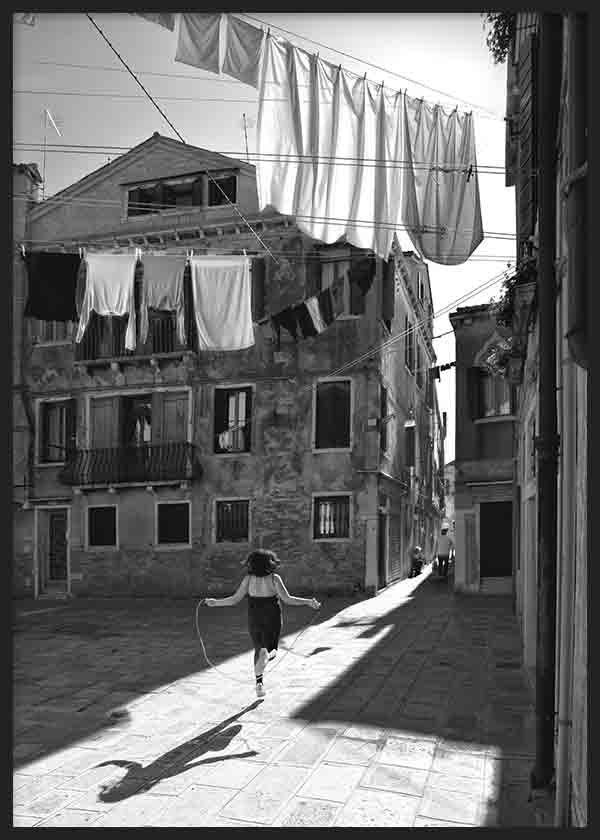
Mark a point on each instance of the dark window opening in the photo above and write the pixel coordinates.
(173, 523)
(333, 415)
(331, 517)
(233, 412)
(102, 526)
(137, 420)
(232, 521)
(222, 191)
(409, 345)
(383, 435)
(57, 430)
(409, 446)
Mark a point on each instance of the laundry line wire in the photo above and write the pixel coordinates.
(335, 220)
(365, 62)
(275, 157)
(149, 96)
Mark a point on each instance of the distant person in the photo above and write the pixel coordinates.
(445, 549)
(264, 589)
(417, 560)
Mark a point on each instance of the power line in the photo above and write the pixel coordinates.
(124, 63)
(376, 66)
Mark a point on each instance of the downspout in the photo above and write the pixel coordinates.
(576, 274)
(549, 71)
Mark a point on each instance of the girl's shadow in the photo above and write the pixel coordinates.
(176, 761)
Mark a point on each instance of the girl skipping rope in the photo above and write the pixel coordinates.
(264, 589)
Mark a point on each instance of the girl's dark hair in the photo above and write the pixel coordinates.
(261, 562)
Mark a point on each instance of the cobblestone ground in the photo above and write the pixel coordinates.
(407, 709)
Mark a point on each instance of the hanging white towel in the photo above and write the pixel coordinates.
(222, 302)
(109, 291)
(441, 204)
(312, 304)
(162, 288)
(198, 41)
(165, 19)
(242, 50)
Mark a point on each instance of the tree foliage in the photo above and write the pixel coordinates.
(500, 30)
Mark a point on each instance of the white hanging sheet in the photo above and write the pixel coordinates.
(243, 43)
(109, 291)
(222, 302)
(162, 288)
(165, 19)
(198, 41)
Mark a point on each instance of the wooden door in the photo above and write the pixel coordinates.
(496, 538)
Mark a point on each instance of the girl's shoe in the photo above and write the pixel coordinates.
(260, 690)
(272, 655)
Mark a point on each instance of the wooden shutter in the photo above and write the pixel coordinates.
(220, 415)
(474, 383)
(258, 289)
(247, 431)
(71, 426)
(172, 417)
(409, 445)
(388, 292)
(526, 187)
(133, 198)
(104, 422)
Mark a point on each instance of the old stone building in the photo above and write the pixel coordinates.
(483, 465)
(154, 472)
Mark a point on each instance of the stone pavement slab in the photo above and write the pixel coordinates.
(407, 709)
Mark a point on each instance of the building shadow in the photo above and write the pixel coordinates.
(175, 761)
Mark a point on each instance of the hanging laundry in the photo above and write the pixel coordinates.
(161, 18)
(326, 306)
(109, 290)
(162, 288)
(305, 322)
(312, 305)
(52, 280)
(222, 302)
(441, 204)
(198, 41)
(286, 319)
(362, 271)
(243, 50)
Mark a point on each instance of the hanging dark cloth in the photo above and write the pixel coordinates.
(52, 286)
(362, 270)
(286, 319)
(305, 322)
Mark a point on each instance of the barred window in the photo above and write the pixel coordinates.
(232, 521)
(331, 517)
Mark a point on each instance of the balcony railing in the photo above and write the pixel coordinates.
(158, 462)
(104, 338)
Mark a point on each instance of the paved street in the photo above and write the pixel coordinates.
(408, 709)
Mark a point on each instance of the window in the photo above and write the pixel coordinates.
(51, 332)
(137, 420)
(383, 411)
(233, 413)
(531, 432)
(173, 523)
(409, 345)
(332, 414)
(57, 430)
(421, 286)
(102, 527)
(409, 445)
(419, 371)
(232, 521)
(218, 186)
(331, 517)
(489, 395)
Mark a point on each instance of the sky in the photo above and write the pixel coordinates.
(441, 57)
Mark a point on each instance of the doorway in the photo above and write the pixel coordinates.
(496, 539)
(382, 549)
(52, 551)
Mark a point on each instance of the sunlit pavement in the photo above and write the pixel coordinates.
(408, 709)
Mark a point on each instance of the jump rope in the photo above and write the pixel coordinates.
(279, 659)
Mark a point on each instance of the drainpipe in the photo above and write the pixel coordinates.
(548, 77)
(576, 155)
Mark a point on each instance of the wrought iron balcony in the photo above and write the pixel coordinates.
(104, 338)
(145, 464)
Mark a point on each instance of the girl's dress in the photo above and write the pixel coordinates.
(264, 621)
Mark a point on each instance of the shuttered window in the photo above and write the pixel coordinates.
(383, 434)
(218, 186)
(331, 517)
(332, 410)
(102, 526)
(388, 293)
(409, 446)
(259, 289)
(232, 523)
(173, 523)
(57, 430)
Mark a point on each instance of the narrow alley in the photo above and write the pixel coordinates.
(407, 709)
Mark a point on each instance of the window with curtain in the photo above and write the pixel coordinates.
(233, 413)
(331, 517)
(495, 396)
(332, 414)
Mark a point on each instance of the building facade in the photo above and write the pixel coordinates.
(155, 472)
(547, 83)
(483, 464)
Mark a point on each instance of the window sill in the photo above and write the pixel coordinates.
(341, 449)
(64, 342)
(171, 546)
(331, 539)
(102, 548)
(232, 542)
(46, 464)
(233, 454)
(497, 418)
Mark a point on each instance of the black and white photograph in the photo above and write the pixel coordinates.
(300, 310)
